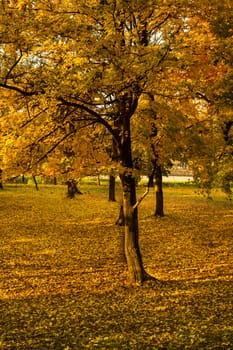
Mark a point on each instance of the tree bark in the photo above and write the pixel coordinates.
(112, 179)
(72, 188)
(133, 256)
(137, 273)
(111, 189)
(121, 218)
(159, 208)
(35, 182)
(1, 185)
(23, 179)
(151, 180)
(157, 172)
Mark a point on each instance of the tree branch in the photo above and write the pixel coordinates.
(13, 66)
(142, 197)
(32, 118)
(17, 89)
(97, 117)
(146, 192)
(52, 148)
(203, 97)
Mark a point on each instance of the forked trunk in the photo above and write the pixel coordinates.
(136, 270)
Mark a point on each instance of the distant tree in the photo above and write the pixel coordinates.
(72, 188)
(35, 182)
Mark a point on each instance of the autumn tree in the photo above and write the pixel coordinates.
(221, 25)
(214, 166)
(72, 63)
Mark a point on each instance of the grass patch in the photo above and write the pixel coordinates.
(64, 282)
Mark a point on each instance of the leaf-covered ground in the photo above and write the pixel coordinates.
(64, 282)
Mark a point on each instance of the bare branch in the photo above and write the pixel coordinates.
(146, 192)
(13, 66)
(141, 199)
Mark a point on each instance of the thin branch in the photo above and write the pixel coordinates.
(141, 199)
(146, 192)
(44, 137)
(57, 143)
(159, 24)
(199, 122)
(52, 148)
(203, 97)
(33, 117)
(13, 66)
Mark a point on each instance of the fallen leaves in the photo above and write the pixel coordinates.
(64, 282)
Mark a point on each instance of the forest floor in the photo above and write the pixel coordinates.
(64, 281)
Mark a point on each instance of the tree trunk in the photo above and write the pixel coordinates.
(137, 273)
(35, 182)
(121, 222)
(72, 188)
(136, 270)
(226, 185)
(157, 171)
(112, 180)
(23, 179)
(151, 180)
(122, 136)
(1, 185)
(111, 189)
(159, 211)
(121, 218)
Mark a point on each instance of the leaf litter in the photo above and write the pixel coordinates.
(64, 280)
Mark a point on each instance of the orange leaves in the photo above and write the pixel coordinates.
(64, 283)
(75, 61)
